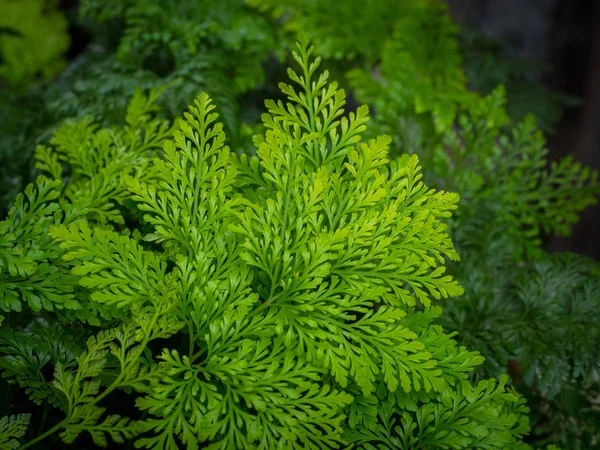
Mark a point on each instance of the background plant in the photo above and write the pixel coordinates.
(33, 40)
(218, 48)
(512, 199)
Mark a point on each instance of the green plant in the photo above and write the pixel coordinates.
(534, 319)
(210, 47)
(409, 62)
(12, 428)
(282, 288)
(340, 33)
(512, 199)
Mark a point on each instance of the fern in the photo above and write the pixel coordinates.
(535, 321)
(547, 201)
(76, 93)
(210, 47)
(419, 75)
(289, 296)
(27, 357)
(27, 254)
(31, 269)
(189, 29)
(506, 170)
(286, 283)
(335, 29)
(457, 423)
(512, 199)
(11, 429)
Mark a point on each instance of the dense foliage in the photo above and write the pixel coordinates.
(296, 279)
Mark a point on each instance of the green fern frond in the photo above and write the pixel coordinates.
(11, 429)
(100, 158)
(28, 271)
(452, 423)
(541, 200)
(26, 357)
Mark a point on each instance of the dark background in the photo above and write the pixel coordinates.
(565, 35)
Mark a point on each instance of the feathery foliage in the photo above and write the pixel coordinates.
(211, 47)
(297, 285)
(11, 429)
(292, 295)
(520, 305)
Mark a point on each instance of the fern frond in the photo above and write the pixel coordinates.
(25, 358)
(11, 429)
(115, 267)
(195, 164)
(28, 270)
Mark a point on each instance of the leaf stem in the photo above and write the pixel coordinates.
(43, 436)
(44, 417)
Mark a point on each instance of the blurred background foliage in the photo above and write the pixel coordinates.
(475, 114)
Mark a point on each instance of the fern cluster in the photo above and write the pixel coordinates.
(320, 285)
(218, 48)
(283, 287)
(512, 198)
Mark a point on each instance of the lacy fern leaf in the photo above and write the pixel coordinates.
(11, 429)
(292, 289)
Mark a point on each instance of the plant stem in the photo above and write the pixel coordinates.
(43, 436)
(44, 417)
